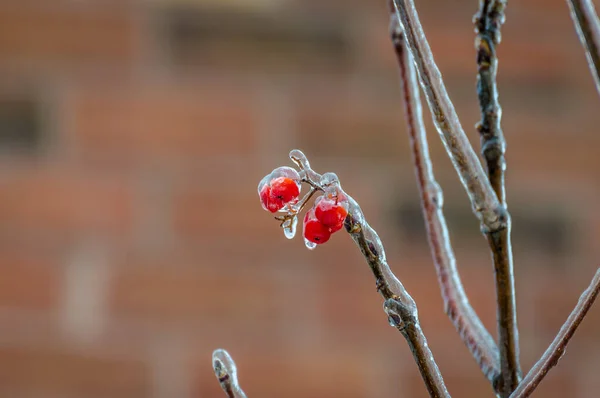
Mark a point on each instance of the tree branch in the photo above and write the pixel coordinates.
(484, 201)
(402, 309)
(456, 304)
(557, 348)
(586, 22)
(488, 21)
(495, 220)
(399, 305)
(226, 373)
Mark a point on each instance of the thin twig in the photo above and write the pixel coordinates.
(405, 320)
(386, 282)
(456, 304)
(226, 373)
(557, 348)
(484, 201)
(399, 305)
(495, 220)
(488, 21)
(586, 22)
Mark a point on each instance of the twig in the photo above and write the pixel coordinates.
(399, 305)
(484, 201)
(226, 373)
(456, 304)
(488, 21)
(403, 311)
(405, 320)
(586, 22)
(557, 348)
(495, 220)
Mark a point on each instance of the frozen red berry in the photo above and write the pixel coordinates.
(314, 231)
(331, 212)
(283, 191)
(278, 189)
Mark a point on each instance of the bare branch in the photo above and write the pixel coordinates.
(399, 305)
(402, 309)
(557, 348)
(456, 304)
(495, 220)
(586, 22)
(405, 320)
(488, 21)
(484, 201)
(226, 373)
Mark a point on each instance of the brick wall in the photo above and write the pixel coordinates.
(133, 135)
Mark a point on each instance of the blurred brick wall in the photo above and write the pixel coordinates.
(133, 135)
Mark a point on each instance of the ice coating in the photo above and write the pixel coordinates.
(299, 158)
(226, 372)
(285, 171)
(290, 226)
(263, 182)
(371, 236)
(436, 193)
(330, 180)
(309, 245)
(224, 365)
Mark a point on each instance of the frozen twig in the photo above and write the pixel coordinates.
(557, 348)
(456, 304)
(226, 373)
(586, 22)
(495, 220)
(399, 305)
(484, 201)
(404, 318)
(488, 21)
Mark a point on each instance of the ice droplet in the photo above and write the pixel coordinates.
(309, 245)
(289, 227)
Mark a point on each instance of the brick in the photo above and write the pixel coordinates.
(30, 280)
(200, 215)
(67, 372)
(179, 290)
(64, 202)
(328, 125)
(160, 123)
(65, 35)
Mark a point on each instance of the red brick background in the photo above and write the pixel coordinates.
(132, 243)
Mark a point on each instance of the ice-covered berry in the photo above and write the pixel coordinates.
(314, 231)
(279, 188)
(331, 212)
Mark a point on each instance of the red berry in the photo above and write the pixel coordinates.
(314, 231)
(331, 213)
(283, 191)
(275, 193)
(265, 195)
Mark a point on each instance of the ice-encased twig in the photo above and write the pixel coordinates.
(226, 373)
(456, 304)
